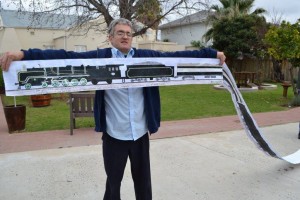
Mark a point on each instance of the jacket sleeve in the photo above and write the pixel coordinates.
(38, 54)
(202, 53)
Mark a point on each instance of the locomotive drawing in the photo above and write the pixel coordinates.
(55, 77)
(109, 72)
(81, 75)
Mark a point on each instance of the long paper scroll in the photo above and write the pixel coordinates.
(57, 76)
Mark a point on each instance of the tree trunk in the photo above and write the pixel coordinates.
(292, 81)
(278, 76)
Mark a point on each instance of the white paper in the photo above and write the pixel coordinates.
(125, 73)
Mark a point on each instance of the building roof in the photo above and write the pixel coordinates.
(24, 19)
(198, 17)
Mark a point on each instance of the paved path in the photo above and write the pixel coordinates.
(223, 165)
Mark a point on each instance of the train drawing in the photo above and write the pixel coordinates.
(55, 77)
(82, 75)
(190, 71)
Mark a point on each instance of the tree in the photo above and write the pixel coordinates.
(235, 8)
(239, 36)
(231, 9)
(284, 44)
(148, 12)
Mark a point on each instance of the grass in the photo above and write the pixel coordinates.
(199, 101)
(178, 103)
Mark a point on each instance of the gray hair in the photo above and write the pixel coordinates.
(111, 27)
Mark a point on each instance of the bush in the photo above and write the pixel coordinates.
(295, 101)
(197, 44)
(1, 78)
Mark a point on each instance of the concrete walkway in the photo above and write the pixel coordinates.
(212, 166)
(207, 159)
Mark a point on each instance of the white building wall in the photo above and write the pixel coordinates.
(9, 40)
(91, 41)
(45, 39)
(12, 39)
(183, 35)
(37, 38)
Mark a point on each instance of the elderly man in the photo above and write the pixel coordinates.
(125, 116)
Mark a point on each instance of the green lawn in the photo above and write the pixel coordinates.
(178, 102)
(199, 101)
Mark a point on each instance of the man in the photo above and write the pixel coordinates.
(125, 116)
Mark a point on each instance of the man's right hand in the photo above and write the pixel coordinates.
(221, 56)
(8, 57)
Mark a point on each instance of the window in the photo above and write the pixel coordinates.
(80, 48)
(48, 46)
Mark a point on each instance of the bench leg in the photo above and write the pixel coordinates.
(72, 126)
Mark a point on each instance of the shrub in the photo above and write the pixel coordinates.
(197, 44)
(1, 78)
(295, 101)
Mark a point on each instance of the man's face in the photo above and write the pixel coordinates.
(121, 38)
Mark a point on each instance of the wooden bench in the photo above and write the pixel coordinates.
(81, 105)
(244, 78)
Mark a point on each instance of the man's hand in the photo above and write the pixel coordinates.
(221, 56)
(8, 57)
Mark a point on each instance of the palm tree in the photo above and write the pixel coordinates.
(231, 9)
(234, 8)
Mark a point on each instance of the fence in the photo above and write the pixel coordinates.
(263, 68)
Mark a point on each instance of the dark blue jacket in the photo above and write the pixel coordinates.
(151, 94)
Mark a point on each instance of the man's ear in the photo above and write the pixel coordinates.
(110, 37)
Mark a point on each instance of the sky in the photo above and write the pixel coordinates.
(287, 9)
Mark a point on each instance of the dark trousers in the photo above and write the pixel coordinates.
(115, 155)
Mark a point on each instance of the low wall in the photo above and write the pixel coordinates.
(161, 46)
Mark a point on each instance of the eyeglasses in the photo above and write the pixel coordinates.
(122, 34)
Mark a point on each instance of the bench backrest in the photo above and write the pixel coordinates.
(82, 104)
